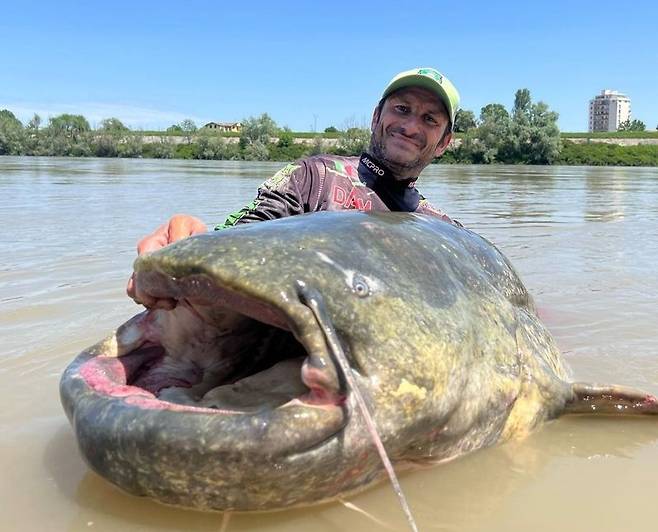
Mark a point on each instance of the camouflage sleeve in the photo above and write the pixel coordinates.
(284, 194)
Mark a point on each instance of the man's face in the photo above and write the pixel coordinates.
(409, 131)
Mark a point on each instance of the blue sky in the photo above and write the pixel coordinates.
(315, 64)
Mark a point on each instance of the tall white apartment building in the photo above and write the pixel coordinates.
(607, 110)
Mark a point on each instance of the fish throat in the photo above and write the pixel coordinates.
(219, 349)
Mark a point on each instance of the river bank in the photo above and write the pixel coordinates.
(331, 141)
(573, 151)
(527, 136)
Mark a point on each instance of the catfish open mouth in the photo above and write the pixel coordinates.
(218, 350)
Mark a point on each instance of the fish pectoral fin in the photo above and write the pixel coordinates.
(588, 398)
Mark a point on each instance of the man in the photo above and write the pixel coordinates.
(411, 125)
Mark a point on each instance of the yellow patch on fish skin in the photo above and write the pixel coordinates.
(525, 415)
(408, 388)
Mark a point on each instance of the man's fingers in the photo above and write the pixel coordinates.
(130, 287)
(178, 227)
(182, 226)
(156, 240)
(141, 297)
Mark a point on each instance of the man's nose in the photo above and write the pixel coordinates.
(411, 125)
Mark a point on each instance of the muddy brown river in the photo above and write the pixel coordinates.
(585, 241)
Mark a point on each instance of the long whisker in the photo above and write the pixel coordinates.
(312, 299)
(226, 517)
(355, 508)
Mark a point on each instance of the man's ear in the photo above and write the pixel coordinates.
(375, 119)
(443, 144)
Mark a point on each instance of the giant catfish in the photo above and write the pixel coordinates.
(234, 400)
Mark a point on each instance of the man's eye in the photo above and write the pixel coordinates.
(430, 119)
(402, 108)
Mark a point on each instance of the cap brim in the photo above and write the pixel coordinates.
(426, 83)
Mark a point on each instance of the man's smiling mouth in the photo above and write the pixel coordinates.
(406, 140)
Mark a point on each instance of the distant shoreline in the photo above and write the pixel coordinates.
(529, 135)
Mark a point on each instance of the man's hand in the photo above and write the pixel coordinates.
(178, 227)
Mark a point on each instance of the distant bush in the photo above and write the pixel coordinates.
(290, 152)
(159, 150)
(610, 135)
(352, 141)
(211, 146)
(131, 146)
(601, 154)
(186, 151)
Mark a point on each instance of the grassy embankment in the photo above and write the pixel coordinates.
(600, 149)
(611, 135)
(592, 152)
(233, 134)
(596, 149)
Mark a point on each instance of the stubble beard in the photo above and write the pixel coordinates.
(400, 170)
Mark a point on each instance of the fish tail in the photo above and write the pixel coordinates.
(588, 398)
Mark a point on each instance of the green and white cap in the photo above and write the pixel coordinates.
(430, 79)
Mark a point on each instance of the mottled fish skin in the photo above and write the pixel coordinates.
(441, 333)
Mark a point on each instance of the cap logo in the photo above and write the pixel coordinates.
(431, 73)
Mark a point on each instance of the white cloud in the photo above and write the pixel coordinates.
(133, 116)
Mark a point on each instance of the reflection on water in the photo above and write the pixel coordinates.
(584, 239)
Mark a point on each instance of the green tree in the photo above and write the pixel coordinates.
(330, 129)
(188, 128)
(286, 138)
(175, 128)
(70, 126)
(464, 120)
(494, 112)
(113, 126)
(12, 134)
(211, 146)
(534, 136)
(482, 145)
(632, 125)
(522, 104)
(8, 119)
(105, 145)
(108, 138)
(33, 136)
(529, 135)
(318, 146)
(256, 151)
(165, 149)
(539, 136)
(257, 129)
(353, 141)
(34, 123)
(131, 146)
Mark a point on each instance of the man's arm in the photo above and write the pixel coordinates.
(284, 194)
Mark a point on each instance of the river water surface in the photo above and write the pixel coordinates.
(585, 241)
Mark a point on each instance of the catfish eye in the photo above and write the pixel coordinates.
(360, 286)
